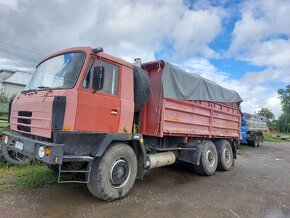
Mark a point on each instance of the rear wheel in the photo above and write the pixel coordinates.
(225, 155)
(208, 160)
(255, 141)
(260, 140)
(113, 175)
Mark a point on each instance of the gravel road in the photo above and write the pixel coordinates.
(257, 186)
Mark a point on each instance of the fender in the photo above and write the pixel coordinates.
(192, 156)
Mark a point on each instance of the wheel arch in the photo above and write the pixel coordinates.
(135, 141)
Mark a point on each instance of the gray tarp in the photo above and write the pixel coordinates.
(179, 84)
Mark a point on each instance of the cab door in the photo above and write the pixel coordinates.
(99, 98)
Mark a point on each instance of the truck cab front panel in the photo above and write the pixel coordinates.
(41, 112)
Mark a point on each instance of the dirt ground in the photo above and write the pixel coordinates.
(257, 186)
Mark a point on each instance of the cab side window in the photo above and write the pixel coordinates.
(102, 77)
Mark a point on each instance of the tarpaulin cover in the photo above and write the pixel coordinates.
(179, 84)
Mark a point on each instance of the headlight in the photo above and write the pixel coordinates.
(41, 152)
(6, 140)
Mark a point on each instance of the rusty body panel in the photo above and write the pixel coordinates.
(33, 111)
(86, 110)
(101, 112)
(170, 117)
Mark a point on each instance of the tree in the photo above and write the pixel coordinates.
(284, 96)
(284, 120)
(266, 113)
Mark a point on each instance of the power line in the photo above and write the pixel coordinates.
(24, 49)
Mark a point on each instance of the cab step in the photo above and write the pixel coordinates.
(82, 175)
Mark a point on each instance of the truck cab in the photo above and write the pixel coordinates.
(77, 90)
(73, 93)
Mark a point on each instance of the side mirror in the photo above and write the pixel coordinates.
(98, 77)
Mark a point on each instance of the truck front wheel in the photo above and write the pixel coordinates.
(225, 155)
(113, 175)
(208, 159)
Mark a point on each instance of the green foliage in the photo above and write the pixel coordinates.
(4, 99)
(4, 103)
(24, 177)
(266, 113)
(4, 116)
(284, 95)
(3, 125)
(269, 138)
(283, 123)
(273, 125)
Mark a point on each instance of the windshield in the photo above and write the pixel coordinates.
(58, 72)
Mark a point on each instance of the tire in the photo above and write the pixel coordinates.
(105, 182)
(255, 142)
(141, 88)
(208, 160)
(225, 155)
(260, 137)
(11, 156)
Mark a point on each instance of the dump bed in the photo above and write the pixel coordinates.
(255, 122)
(163, 116)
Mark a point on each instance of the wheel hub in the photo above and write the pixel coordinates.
(210, 158)
(227, 156)
(119, 173)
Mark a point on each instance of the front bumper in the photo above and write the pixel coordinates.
(31, 147)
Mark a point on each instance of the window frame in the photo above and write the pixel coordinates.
(95, 61)
(63, 53)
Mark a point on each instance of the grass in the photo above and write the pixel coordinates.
(2, 125)
(4, 116)
(243, 146)
(269, 138)
(18, 178)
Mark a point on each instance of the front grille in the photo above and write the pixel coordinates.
(25, 113)
(22, 120)
(25, 121)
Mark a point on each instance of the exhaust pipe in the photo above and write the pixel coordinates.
(160, 159)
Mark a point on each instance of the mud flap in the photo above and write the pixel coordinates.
(139, 147)
(235, 146)
(192, 156)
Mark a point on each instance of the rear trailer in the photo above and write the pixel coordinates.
(174, 116)
(252, 129)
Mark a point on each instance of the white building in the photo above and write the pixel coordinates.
(12, 82)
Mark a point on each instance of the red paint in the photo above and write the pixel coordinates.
(86, 111)
(89, 111)
(162, 116)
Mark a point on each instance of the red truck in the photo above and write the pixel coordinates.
(96, 115)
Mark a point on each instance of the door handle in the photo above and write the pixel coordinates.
(114, 111)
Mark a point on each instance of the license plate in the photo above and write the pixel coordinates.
(19, 145)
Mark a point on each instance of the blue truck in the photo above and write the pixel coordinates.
(252, 129)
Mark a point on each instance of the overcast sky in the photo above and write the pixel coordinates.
(242, 45)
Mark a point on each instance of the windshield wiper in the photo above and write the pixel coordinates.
(29, 90)
(43, 87)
